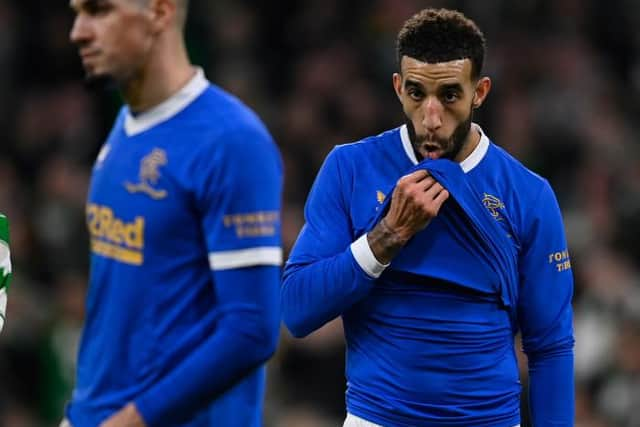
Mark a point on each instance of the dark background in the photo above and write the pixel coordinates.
(566, 84)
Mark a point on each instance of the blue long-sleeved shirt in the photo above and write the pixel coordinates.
(436, 348)
(183, 303)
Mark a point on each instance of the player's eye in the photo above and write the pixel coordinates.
(415, 94)
(450, 96)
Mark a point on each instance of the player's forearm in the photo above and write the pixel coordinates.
(245, 337)
(217, 365)
(315, 293)
(385, 242)
(551, 388)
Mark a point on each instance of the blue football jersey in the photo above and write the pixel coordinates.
(430, 340)
(183, 217)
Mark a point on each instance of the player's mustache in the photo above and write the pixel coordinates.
(429, 140)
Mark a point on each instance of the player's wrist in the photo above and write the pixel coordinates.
(386, 241)
(396, 234)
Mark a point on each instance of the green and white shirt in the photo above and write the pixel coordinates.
(5, 266)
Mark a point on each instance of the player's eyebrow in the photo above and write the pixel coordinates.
(80, 4)
(457, 87)
(413, 83)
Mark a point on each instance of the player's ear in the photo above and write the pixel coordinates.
(483, 86)
(397, 85)
(163, 14)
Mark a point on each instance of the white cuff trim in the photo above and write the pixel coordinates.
(226, 260)
(365, 258)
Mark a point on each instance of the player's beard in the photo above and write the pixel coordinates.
(451, 147)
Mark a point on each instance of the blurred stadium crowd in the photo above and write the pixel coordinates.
(565, 100)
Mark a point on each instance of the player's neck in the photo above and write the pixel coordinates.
(472, 141)
(165, 73)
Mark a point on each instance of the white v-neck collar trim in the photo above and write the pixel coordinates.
(467, 164)
(167, 108)
(406, 144)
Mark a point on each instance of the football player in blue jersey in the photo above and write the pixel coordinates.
(436, 247)
(183, 215)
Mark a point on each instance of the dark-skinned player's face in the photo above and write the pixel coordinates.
(438, 101)
(113, 37)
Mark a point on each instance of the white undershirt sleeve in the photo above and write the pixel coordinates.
(365, 258)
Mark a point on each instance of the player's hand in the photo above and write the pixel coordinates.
(416, 200)
(129, 416)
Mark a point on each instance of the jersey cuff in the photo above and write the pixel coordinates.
(365, 258)
(226, 260)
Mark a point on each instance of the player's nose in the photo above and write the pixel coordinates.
(432, 114)
(81, 30)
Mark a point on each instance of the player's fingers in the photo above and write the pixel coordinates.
(427, 183)
(416, 176)
(441, 198)
(412, 185)
(435, 189)
(432, 200)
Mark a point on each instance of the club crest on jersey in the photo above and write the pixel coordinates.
(380, 196)
(493, 205)
(149, 175)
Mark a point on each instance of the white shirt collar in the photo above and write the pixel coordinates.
(167, 108)
(467, 164)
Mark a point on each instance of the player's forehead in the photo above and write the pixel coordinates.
(446, 72)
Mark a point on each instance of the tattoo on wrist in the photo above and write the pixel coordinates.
(385, 242)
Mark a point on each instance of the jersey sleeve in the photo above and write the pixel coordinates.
(240, 204)
(545, 313)
(5, 267)
(322, 277)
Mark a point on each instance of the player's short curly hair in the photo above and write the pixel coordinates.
(441, 35)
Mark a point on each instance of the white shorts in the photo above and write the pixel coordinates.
(353, 421)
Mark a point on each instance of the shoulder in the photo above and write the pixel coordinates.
(530, 197)
(353, 162)
(371, 143)
(220, 122)
(368, 148)
(227, 113)
(218, 139)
